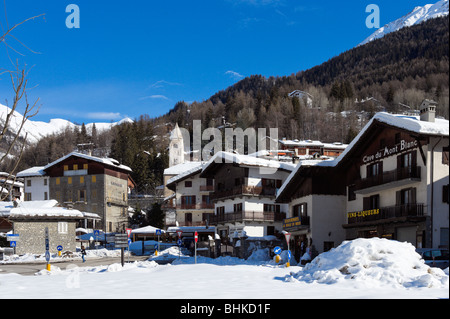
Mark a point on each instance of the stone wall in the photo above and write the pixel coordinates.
(32, 236)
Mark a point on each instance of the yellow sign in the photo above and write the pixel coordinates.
(364, 213)
(292, 222)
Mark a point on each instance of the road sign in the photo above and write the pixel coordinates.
(289, 255)
(179, 232)
(180, 242)
(129, 241)
(121, 241)
(158, 232)
(59, 248)
(12, 237)
(277, 250)
(129, 232)
(12, 244)
(288, 237)
(96, 232)
(196, 237)
(47, 256)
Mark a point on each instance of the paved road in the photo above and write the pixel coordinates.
(29, 269)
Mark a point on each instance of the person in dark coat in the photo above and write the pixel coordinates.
(83, 253)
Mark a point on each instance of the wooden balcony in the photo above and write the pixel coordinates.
(202, 205)
(387, 214)
(243, 190)
(398, 177)
(242, 216)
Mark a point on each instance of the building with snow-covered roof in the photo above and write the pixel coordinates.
(36, 186)
(244, 194)
(391, 182)
(397, 180)
(192, 197)
(92, 184)
(29, 221)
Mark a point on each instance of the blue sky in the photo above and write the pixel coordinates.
(142, 56)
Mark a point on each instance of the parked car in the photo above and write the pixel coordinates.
(434, 257)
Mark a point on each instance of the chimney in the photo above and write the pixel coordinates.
(428, 111)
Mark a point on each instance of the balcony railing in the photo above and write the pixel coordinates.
(247, 216)
(196, 206)
(389, 177)
(386, 213)
(244, 190)
(206, 188)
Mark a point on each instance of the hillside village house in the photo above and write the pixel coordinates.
(192, 200)
(315, 193)
(244, 194)
(86, 183)
(36, 183)
(391, 182)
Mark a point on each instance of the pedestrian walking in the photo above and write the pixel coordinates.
(83, 253)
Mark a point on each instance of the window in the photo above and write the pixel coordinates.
(58, 181)
(272, 208)
(374, 169)
(445, 196)
(397, 138)
(62, 227)
(69, 180)
(220, 210)
(406, 196)
(45, 182)
(94, 178)
(81, 179)
(27, 197)
(28, 182)
(300, 210)
(45, 196)
(75, 167)
(66, 167)
(85, 166)
(372, 202)
(445, 155)
(188, 201)
(351, 193)
(82, 195)
(188, 184)
(407, 160)
(237, 207)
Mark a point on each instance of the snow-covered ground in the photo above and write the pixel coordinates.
(363, 268)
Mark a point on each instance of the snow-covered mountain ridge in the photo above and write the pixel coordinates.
(418, 15)
(38, 129)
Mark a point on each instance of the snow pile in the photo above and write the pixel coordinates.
(374, 262)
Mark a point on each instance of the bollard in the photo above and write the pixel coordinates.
(48, 267)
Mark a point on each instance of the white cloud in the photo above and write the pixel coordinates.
(156, 96)
(104, 115)
(234, 75)
(163, 83)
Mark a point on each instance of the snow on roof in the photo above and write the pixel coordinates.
(146, 230)
(33, 171)
(248, 160)
(306, 163)
(410, 123)
(44, 208)
(106, 161)
(181, 168)
(198, 168)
